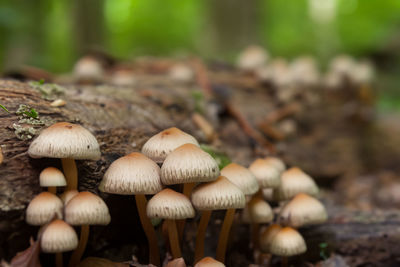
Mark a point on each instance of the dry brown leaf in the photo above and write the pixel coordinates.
(29, 257)
(179, 262)
(100, 262)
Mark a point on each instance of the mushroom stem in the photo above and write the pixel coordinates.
(173, 239)
(187, 190)
(255, 229)
(59, 259)
(154, 254)
(52, 189)
(201, 235)
(284, 261)
(71, 173)
(77, 254)
(224, 234)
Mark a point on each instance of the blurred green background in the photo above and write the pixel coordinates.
(52, 34)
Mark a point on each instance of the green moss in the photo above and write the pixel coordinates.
(221, 158)
(49, 91)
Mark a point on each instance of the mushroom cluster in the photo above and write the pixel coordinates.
(183, 179)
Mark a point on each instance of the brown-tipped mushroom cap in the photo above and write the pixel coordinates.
(132, 174)
(267, 236)
(209, 262)
(169, 204)
(65, 140)
(160, 145)
(188, 164)
(58, 236)
(266, 173)
(303, 210)
(277, 162)
(87, 208)
(241, 177)
(293, 182)
(44, 208)
(258, 211)
(52, 177)
(288, 242)
(218, 195)
(68, 195)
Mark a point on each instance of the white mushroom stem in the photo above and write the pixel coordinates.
(173, 239)
(71, 173)
(201, 235)
(77, 255)
(148, 228)
(187, 190)
(224, 235)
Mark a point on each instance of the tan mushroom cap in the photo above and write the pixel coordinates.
(220, 194)
(258, 211)
(303, 210)
(241, 177)
(267, 236)
(87, 209)
(277, 162)
(65, 140)
(266, 173)
(293, 182)
(160, 145)
(288, 242)
(169, 204)
(43, 209)
(52, 177)
(68, 195)
(132, 174)
(209, 262)
(188, 164)
(58, 236)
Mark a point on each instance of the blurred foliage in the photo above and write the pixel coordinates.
(137, 27)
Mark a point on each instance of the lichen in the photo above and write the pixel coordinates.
(24, 132)
(28, 115)
(49, 91)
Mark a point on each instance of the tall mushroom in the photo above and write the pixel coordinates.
(136, 174)
(85, 209)
(52, 178)
(220, 194)
(68, 142)
(171, 205)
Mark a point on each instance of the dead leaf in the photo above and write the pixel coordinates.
(29, 257)
(179, 262)
(100, 262)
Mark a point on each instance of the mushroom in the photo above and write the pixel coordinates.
(267, 236)
(286, 243)
(188, 165)
(58, 237)
(252, 58)
(209, 262)
(136, 174)
(276, 162)
(241, 177)
(303, 210)
(68, 195)
(216, 195)
(68, 142)
(43, 209)
(294, 181)
(52, 177)
(266, 172)
(171, 205)
(85, 209)
(160, 145)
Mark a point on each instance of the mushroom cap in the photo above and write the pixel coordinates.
(241, 177)
(220, 194)
(68, 195)
(303, 210)
(277, 162)
(132, 174)
(52, 177)
(288, 242)
(65, 140)
(160, 145)
(252, 57)
(169, 204)
(43, 208)
(293, 182)
(58, 236)
(188, 164)
(87, 208)
(267, 236)
(266, 173)
(258, 211)
(209, 262)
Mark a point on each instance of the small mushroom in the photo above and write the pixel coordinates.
(43, 209)
(209, 262)
(266, 172)
(52, 177)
